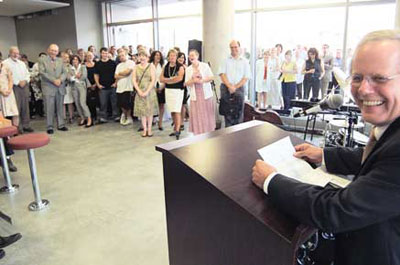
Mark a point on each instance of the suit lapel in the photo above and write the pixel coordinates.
(390, 131)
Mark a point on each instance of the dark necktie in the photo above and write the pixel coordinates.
(370, 145)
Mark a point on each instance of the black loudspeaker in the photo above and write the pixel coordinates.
(196, 45)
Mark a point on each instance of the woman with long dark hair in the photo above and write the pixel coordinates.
(182, 60)
(157, 60)
(313, 71)
(77, 77)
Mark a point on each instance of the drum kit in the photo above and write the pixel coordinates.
(346, 133)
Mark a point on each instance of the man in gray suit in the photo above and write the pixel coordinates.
(53, 74)
(328, 66)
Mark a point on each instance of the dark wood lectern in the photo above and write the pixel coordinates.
(215, 215)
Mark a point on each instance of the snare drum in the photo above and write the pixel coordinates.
(357, 140)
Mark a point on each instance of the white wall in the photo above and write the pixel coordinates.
(35, 34)
(88, 23)
(8, 35)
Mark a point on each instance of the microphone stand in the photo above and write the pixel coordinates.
(352, 120)
(313, 118)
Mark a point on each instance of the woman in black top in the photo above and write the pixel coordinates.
(92, 91)
(172, 76)
(313, 71)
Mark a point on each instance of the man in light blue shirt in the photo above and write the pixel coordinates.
(234, 73)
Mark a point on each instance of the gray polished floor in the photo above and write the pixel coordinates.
(106, 197)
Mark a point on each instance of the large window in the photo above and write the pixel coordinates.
(130, 22)
(309, 28)
(364, 19)
(168, 8)
(134, 34)
(177, 32)
(131, 10)
(294, 3)
(242, 33)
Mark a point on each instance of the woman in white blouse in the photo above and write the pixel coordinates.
(198, 79)
(262, 86)
(274, 65)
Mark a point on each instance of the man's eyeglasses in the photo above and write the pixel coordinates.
(375, 79)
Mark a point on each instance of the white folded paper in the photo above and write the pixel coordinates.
(280, 155)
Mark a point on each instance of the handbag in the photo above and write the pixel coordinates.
(230, 106)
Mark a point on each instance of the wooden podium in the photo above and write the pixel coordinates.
(215, 214)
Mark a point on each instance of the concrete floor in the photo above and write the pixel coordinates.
(106, 195)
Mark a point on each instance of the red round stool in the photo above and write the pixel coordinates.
(29, 142)
(7, 132)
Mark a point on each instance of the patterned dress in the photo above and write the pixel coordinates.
(147, 106)
(8, 104)
(202, 116)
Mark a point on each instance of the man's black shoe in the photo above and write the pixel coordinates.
(140, 129)
(50, 131)
(28, 130)
(64, 129)
(2, 253)
(11, 166)
(8, 240)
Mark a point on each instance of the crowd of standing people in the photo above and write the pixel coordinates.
(282, 77)
(114, 85)
(122, 85)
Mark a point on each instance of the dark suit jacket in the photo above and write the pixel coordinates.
(365, 216)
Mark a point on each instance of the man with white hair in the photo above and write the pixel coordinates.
(365, 215)
(21, 79)
(53, 74)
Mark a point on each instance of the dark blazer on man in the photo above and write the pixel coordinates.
(365, 216)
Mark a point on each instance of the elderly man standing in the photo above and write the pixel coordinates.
(21, 79)
(234, 73)
(365, 215)
(53, 74)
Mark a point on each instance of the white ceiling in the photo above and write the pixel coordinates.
(10, 8)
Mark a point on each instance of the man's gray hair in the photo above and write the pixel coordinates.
(12, 48)
(380, 35)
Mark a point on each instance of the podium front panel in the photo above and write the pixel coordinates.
(215, 214)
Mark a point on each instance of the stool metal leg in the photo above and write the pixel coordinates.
(8, 188)
(38, 204)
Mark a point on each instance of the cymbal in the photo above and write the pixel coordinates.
(345, 124)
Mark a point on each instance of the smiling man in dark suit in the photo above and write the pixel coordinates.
(365, 216)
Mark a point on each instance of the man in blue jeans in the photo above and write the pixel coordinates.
(105, 81)
(234, 73)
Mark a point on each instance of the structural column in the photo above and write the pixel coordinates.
(218, 20)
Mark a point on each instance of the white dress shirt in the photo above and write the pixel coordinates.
(19, 70)
(235, 69)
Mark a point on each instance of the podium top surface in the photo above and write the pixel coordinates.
(225, 159)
